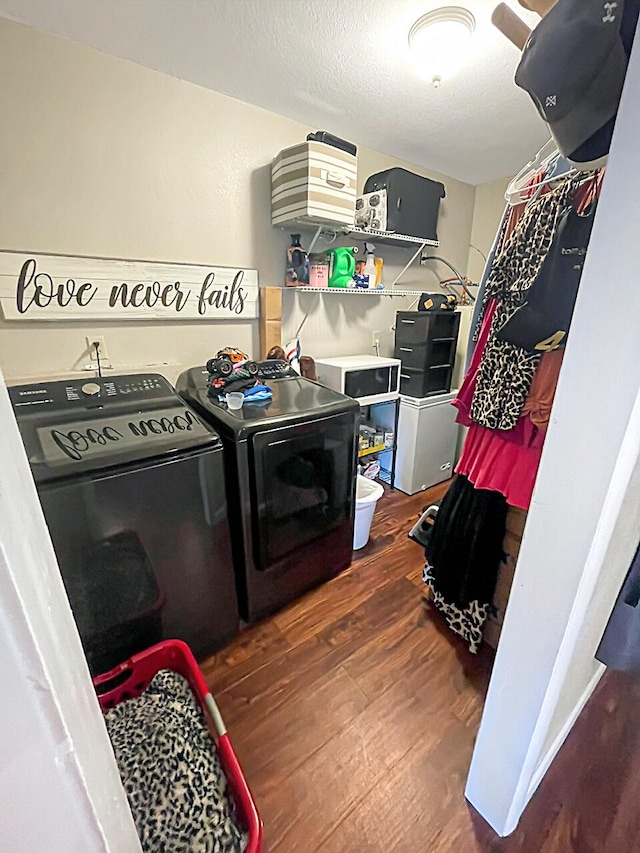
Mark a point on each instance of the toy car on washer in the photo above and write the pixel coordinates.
(229, 359)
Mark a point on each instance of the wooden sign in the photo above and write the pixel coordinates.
(59, 287)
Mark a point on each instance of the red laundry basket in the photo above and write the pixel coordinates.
(133, 676)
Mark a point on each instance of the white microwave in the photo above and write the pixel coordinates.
(367, 378)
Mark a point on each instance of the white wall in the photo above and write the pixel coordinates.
(577, 547)
(101, 157)
(60, 786)
(487, 213)
(488, 209)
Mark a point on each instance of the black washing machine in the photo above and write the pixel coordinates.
(291, 466)
(132, 486)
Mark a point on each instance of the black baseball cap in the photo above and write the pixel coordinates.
(573, 67)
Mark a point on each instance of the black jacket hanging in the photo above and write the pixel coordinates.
(543, 321)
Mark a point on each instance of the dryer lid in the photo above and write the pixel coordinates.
(295, 400)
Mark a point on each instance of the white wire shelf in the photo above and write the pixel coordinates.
(329, 232)
(355, 291)
(385, 236)
(335, 229)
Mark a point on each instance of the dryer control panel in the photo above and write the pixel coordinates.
(275, 368)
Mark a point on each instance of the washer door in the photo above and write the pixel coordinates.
(302, 485)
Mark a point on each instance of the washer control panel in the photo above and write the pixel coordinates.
(91, 389)
(141, 386)
(99, 391)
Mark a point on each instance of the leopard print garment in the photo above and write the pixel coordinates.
(506, 371)
(170, 770)
(467, 622)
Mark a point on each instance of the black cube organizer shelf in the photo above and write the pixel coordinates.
(426, 343)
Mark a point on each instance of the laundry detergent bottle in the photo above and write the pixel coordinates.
(342, 266)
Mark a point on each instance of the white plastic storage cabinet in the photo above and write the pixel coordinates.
(427, 439)
(313, 182)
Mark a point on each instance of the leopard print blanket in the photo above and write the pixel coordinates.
(506, 371)
(176, 788)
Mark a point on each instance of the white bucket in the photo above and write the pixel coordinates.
(368, 493)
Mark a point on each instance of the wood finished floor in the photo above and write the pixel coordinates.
(354, 712)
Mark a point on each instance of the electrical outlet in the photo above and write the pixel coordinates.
(91, 347)
(382, 342)
(105, 361)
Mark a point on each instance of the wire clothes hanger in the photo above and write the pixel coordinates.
(521, 189)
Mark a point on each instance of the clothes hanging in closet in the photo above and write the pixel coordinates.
(463, 553)
(486, 459)
(510, 218)
(506, 371)
(541, 395)
(536, 411)
(492, 462)
(514, 388)
(507, 461)
(479, 306)
(542, 321)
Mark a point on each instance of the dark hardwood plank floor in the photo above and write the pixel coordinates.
(354, 712)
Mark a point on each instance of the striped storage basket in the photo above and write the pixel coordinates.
(313, 182)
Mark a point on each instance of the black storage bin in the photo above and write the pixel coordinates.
(424, 383)
(413, 202)
(421, 327)
(412, 355)
(430, 354)
(426, 343)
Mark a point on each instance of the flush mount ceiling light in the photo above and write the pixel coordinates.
(439, 42)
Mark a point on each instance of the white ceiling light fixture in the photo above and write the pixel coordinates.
(439, 42)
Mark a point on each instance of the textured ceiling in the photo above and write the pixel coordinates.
(339, 65)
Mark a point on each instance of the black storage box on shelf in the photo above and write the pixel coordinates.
(426, 343)
(336, 141)
(412, 203)
(425, 383)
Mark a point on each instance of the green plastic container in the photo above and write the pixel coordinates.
(342, 266)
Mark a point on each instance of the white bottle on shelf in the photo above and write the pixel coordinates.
(370, 265)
